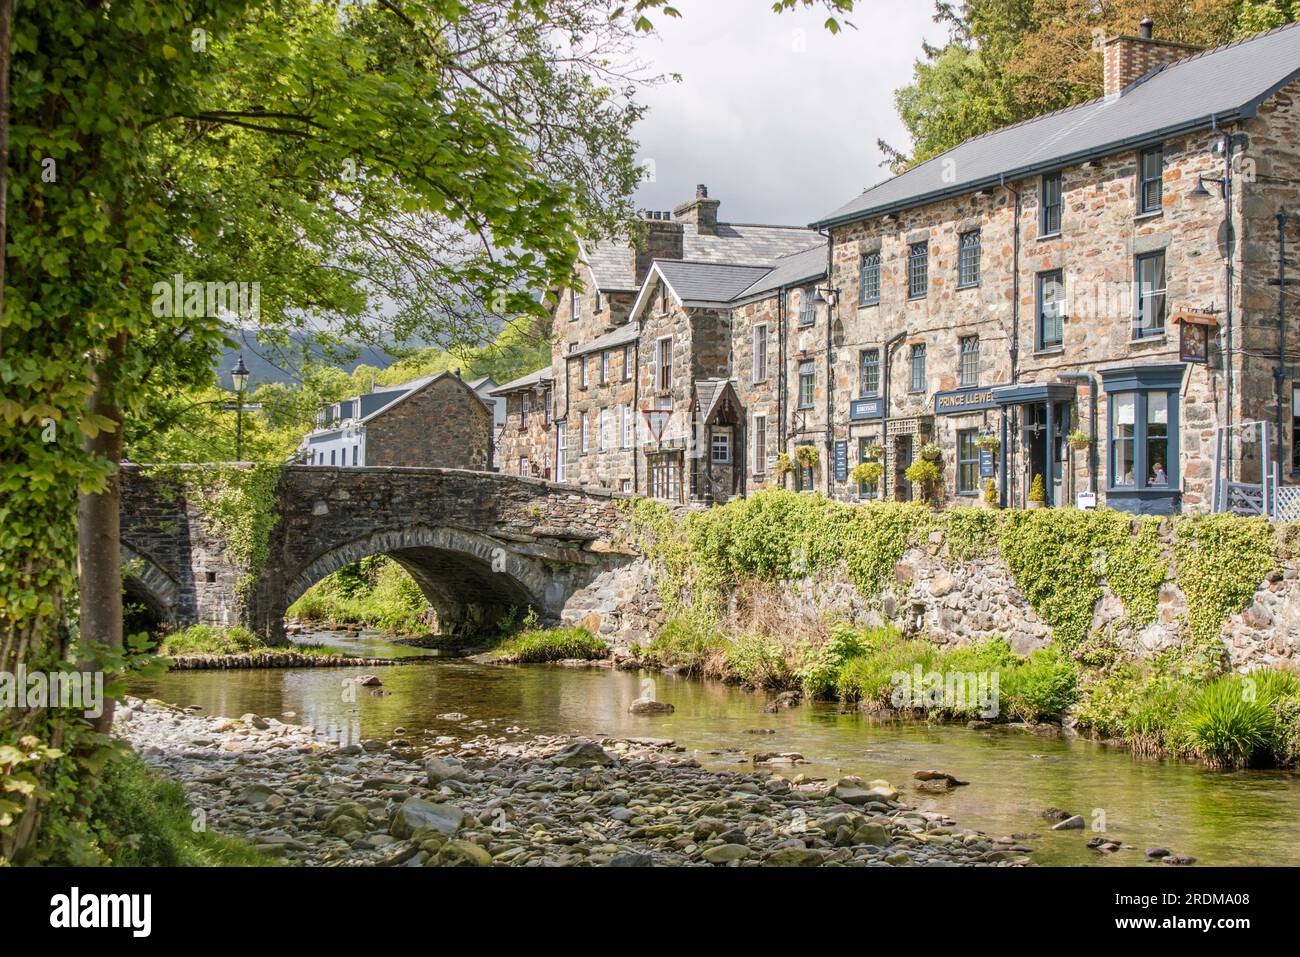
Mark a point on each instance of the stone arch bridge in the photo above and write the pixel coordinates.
(477, 543)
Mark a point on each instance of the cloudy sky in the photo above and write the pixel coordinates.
(774, 114)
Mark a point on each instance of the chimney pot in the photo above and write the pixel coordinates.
(702, 191)
(1146, 27)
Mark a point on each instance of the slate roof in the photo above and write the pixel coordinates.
(789, 271)
(621, 336)
(1213, 87)
(611, 259)
(709, 393)
(523, 382)
(709, 281)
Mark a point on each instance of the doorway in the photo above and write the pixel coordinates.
(903, 452)
(1056, 479)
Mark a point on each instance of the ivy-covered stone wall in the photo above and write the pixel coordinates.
(1221, 587)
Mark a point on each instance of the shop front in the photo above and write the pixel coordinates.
(1040, 417)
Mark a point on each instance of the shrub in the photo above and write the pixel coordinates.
(866, 473)
(555, 644)
(210, 640)
(922, 472)
(1041, 687)
(757, 661)
(1038, 490)
(869, 678)
(820, 665)
(686, 644)
(1226, 727)
(141, 819)
(990, 492)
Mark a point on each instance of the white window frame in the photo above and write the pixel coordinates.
(584, 435)
(602, 438)
(627, 426)
(760, 352)
(562, 452)
(582, 372)
(604, 367)
(628, 363)
(720, 442)
(663, 372)
(523, 466)
(760, 448)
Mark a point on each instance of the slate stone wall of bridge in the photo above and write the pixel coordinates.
(477, 543)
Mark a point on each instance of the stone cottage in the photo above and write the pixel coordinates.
(438, 421)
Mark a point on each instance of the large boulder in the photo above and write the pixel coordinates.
(793, 857)
(415, 813)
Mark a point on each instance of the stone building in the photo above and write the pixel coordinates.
(439, 421)
(644, 391)
(1101, 273)
(1090, 296)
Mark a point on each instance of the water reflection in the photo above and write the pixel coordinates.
(1220, 818)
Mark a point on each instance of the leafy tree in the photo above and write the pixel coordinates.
(1011, 60)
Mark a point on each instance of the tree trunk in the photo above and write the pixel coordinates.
(99, 559)
(6, 27)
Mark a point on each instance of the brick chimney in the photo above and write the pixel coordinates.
(1129, 58)
(701, 212)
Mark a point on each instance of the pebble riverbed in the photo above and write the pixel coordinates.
(516, 799)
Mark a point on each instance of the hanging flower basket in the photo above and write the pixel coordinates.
(988, 442)
(1079, 439)
(931, 452)
(807, 456)
(875, 451)
(784, 466)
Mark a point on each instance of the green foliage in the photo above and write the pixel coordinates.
(1228, 727)
(970, 532)
(209, 640)
(869, 678)
(686, 643)
(1221, 560)
(554, 644)
(923, 472)
(807, 456)
(374, 592)
(758, 661)
(1042, 686)
(990, 492)
(1037, 490)
(820, 664)
(141, 819)
(866, 473)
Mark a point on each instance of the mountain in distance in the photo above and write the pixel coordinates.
(273, 364)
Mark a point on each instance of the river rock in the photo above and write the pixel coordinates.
(369, 681)
(584, 753)
(462, 854)
(794, 857)
(1073, 823)
(257, 794)
(951, 780)
(415, 813)
(650, 706)
(1155, 853)
(437, 770)
(627, 859)
(724, 853)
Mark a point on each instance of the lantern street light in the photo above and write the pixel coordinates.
(239, 379)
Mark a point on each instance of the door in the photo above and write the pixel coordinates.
(1035, 438)
(902, 462)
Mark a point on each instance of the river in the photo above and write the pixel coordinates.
(1226, 818)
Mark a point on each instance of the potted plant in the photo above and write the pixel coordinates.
(867, 473)
(988, 442)
(990, 493)
(1079, 439)
(875, 451)
(931, 452)
(807, 456)
(925, 473)
(1037, 492)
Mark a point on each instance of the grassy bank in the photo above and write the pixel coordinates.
(1170, 706)
(139, 818)
(534, 645)
(375, 593)
(213, 640)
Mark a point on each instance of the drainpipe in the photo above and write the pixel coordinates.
(1092, 422)
(1227, 282)
(1279, 374)
(1011, 428)
(888, 350)
(781, 373)
(636, 407)
(832, 303)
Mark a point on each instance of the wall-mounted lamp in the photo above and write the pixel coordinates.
(825, 296)
(1200, 192)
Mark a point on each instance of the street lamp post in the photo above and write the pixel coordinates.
(239, 379)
